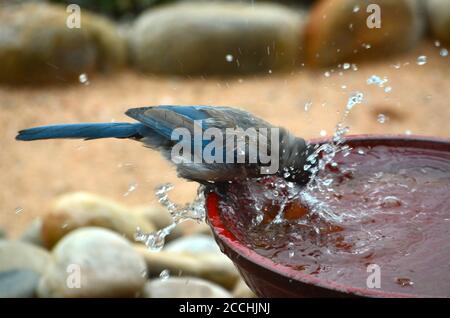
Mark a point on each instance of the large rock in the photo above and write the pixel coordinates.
(337, 30)
(33, 233)
(213, 266)
(93, 262)
(3, 233)
(37, 46)
(439, 19)
(216, 38)
(183, 287)
(198, 243)
(241, 290)
(80, 209)
(18, 283)
(19, 255)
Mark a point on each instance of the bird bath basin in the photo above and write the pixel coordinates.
(398, 191)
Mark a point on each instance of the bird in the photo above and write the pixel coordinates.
(156, 127)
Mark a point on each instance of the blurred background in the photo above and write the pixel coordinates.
(294, 63)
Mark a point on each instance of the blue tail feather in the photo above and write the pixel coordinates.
(83, 131)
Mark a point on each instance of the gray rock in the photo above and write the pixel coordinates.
(93, 262)
(20, 255)
(439, 19)
(18, 283)
(36, 46)
(217, 38)
(183, 287)
(338, 32)
(33, 233)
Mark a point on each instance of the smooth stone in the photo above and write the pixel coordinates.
(439, 19)
(37, 46)
(336, 33)
(18, 283)
(156, 215)
(193, 244)
(217, 38)
(80, 209)
(183, 287)
(241, 290)
(214, 267)
(20, 255)
(108, 266)
(33, 233)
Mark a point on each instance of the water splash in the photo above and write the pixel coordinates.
(194, 210)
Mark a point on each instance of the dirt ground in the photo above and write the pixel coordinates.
(35, 173)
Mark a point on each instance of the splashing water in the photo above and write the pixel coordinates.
(376, 80)
(191, 211)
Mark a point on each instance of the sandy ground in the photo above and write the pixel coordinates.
(35, 173)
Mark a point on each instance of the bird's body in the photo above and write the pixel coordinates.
(155, 128)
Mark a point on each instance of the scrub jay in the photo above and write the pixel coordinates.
(155, 129)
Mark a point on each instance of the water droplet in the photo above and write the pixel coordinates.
(422, 60)
(327, 74)
(131, 188)
(346, 66)
(229, 58)
(83, 78)
(355, 98)
(404, 282)
(270, 71)
(64, 226)
(18, 210)
(390, 202)
(443, 52)
(354, 67)
(291, 249)
(381, 118)
(408, 132)
(437, 43)
(360, 151)
(323, 133)
(308, 105)
(387, 89)
(376, 80)
(356, 8)
(165, 274)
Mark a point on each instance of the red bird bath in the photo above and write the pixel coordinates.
(393, 195)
